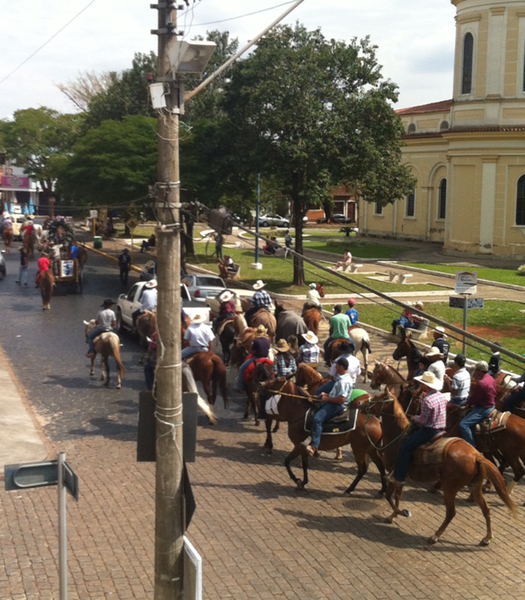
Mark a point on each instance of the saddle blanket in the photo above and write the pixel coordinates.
(223, 324)
(496, 421)
(343, 423)
(432, 452)
(251, 367)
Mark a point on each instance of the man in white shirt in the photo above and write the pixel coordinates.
(354, 369)
(148, 300)
(460, 382)
(199, 335)
(436, 366)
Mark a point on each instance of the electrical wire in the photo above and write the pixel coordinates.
(46, 43)
(245, 15)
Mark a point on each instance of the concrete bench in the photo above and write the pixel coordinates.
(353, 268)
(401, 277)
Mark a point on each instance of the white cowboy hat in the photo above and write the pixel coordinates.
(225, 296)
(408, 303)
(151, 283)
(419, 303)
(440, 329)
(198, 319)
(434, 351)
(310, 337)
(259, 284)
(482, 365)
(429, 379)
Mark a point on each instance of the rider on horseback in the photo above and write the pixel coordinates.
(313, 300)
(105, 321)
(309, 351)
(226, 308)
(260, 349)
(352, 313)
(284, 364)
(199, 335)
(148, 300)
(339, 326)
(354, 368)
(432, 420)
(261, 299)
(482, 399)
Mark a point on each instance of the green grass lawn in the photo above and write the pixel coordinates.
(358, 249)
(500, 275)
(278, 273)
(498, 321)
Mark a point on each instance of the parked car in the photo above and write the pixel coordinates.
(337, 218)
(202, 286)
(128, 303)
(18, 221)
(273, 221)
(2, 265)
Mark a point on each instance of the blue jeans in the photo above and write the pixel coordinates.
(22, 275)
(192, 350)
(149, 372)
(418, 438)
(242, 368)
(326, 388)
(95, 333)
(328, 411)
(514, 399)
(458, 401)
(475, 416)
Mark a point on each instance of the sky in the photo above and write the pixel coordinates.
(415, 40)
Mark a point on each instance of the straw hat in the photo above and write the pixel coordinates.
(282, 346)
(482, 365)
(259, 284)
(434, 351)
(261, 331)
(198, 319)
(226, 296)
(440, 329)
(420, 304)
(310, 337)
(429, 379)
(152, 283)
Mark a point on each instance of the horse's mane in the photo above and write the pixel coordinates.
(310, 371)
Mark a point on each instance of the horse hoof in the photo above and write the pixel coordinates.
(432, 539)
(485, 541)
(406, 513)
(118, 387)
(388, 520)
(300, 486)
(257, 423)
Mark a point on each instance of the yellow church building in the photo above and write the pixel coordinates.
(468, 153)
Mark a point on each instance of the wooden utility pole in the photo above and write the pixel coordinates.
(169, 505)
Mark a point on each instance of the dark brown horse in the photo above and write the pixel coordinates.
(227, 337)
(460, 465)
(407, 349)
(292, 407)
(312, 318)
(29, 244)
(208, 368)
(46, 281)
(7, 236)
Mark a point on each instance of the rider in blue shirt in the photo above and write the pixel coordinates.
(352, 313)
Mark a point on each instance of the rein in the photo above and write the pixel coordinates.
(382, 414)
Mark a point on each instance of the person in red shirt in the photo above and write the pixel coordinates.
(482, 400)
(43, 265)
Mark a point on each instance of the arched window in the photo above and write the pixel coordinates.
(411, 128)
(520, 201)
(468, 61)
(442, 199)
(444, 125)
(411, 205)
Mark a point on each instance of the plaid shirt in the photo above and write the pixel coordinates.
(280, 367)
(309, 353)
(433, 411)
(262, 299)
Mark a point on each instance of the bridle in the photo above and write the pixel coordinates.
(387, 397)
(383, 369)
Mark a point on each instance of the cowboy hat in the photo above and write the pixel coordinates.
(420, 304)
(430, 380)
(107, 302)
(282, 346)
(482, 365)
(198, 319)
(310, 337)
(434, 351)
(261, 331)
(259, 284)
(151, 283)
(225, 296)
(439, 329)
(312, 286)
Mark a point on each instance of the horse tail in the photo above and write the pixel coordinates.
(47, 286)
(115, 348)
(366, 344)
(219, 377)
(498, 482)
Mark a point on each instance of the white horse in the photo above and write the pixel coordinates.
(362, 343)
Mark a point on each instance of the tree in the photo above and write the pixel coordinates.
(112, 164)
(87, 85)
(40, 139)
(315, 113)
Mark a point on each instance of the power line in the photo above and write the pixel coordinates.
(46, 43)
(245, 15)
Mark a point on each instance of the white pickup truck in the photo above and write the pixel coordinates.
(128, 303)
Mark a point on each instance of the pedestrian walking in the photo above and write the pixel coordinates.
(22, 273)
(219, 241)
(124, 261)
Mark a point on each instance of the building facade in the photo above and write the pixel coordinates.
(468, 153)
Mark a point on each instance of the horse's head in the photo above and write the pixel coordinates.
(402, 350)
(378, 376)
(380, 404)
(320, 289)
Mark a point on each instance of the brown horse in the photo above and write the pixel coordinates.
(227, 337)
(82, 257)
(292, 407)
(407, 349)
(460, 465)
(29, 244)
(146, 326)
(386, 374)
(312, 318)
(46, 281)
(184, 324)
(7, 236)
(106, 344)
(208, 368)
(259, 373)
(263, 317)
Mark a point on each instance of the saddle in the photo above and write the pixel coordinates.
(223, 324)
(496, 421)
(433, 452)
(252, 317)
(342, 423)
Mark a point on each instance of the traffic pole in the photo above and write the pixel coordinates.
(169, 505)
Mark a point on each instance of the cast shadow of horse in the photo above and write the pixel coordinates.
(109, 429)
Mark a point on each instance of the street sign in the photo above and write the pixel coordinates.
(93, 214)
(459, 302)
(31, 475)
(466, 282)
